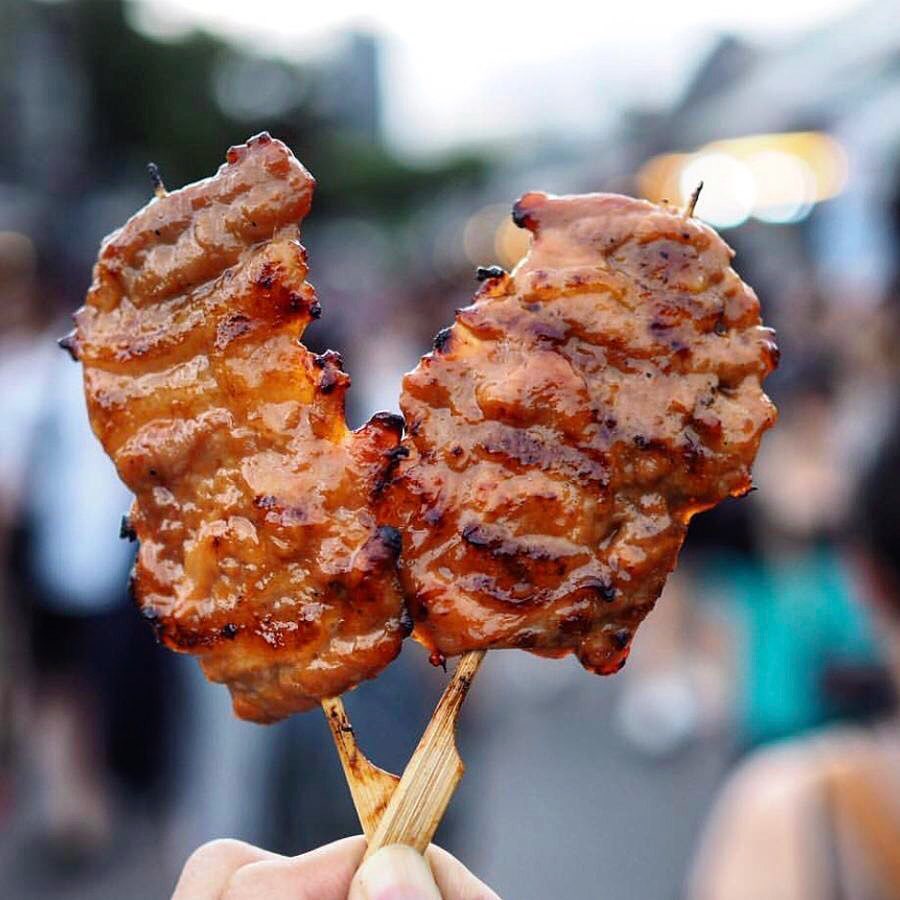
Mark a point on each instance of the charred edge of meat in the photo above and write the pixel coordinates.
(391, 421)
(69, 343)
(315, 309)
(126, 529)
(522, 217)
(442, 338)
(332, 364)
(229, 631)
(482, 273)
(329, 357)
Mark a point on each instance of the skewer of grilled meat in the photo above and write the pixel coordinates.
(259, 550)
(568, 425)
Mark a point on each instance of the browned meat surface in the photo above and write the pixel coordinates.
(565, 429)
(259, 550)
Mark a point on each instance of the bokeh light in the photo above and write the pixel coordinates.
(775, 178)
(729, 190)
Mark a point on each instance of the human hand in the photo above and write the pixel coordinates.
(233, 870)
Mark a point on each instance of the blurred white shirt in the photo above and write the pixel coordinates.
(75, 498)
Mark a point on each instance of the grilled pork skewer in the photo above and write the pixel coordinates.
(259, 550)
(560, 437)
(568, 425)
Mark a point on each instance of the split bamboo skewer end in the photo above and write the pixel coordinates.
(431, 777)
(370, 787)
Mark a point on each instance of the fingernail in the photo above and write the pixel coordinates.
(394, 873)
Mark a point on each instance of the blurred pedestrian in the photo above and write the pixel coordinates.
(820, 817)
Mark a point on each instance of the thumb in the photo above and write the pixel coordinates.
(394, 873)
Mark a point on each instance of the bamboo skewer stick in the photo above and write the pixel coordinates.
(370, 786)
(159, 189)
(430, 779)
(692, 201)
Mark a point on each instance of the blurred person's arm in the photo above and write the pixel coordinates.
(764, 837)
(233, 870)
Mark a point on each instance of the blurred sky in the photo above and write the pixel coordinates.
(469, 71)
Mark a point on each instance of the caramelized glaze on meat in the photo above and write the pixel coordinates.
(569, 424)
(259, 550)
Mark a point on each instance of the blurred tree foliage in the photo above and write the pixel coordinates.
(163, 100)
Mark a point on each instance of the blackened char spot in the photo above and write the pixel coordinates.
(482, 273)
(441, 339)
(151, 615)
(389, 420)
(229, 631)
(604, 588)
(621, 637)
(394, 455)
(391, 538)
(474, 535)
(315, 309)
(332, 365)
(126, 529)
(522, 217)
(69, 344)
(230, 328)
(332, 357)
(406, 622)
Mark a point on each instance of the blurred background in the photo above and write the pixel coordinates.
(422, 125)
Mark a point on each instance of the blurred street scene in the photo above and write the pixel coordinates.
(116, 757)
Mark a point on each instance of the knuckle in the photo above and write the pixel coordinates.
(215, 852)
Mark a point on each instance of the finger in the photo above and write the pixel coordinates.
(454, 880)
(209, 868)
(395, 873)
(323, 874)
